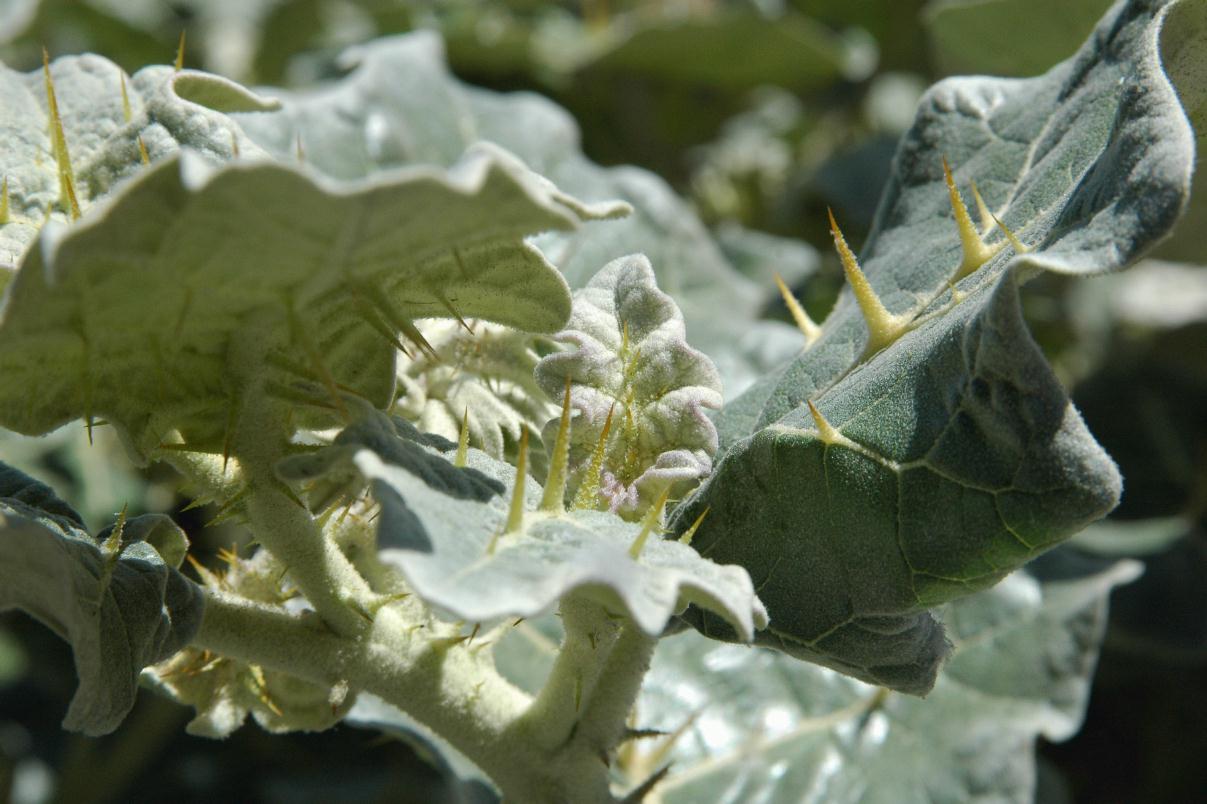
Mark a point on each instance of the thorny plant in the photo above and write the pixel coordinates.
(365, 372)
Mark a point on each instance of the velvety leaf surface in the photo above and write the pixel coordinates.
(122, 606)
(628, 361)
(764, 728)
(956, 456)
(438, 523)
(162, 108)
(400, 105)
(263, 258)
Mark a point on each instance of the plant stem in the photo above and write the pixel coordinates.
(286, 529)
(589, 637)
(454, 690)
(603, 720)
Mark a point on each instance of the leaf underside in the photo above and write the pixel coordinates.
(119, 611)
(141, 312)
(438, 523)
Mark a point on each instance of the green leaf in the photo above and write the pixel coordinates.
(141, 312)
(484, 375)
(729, 50)
(630, 363)
(119, 601)
(1007, 37)
(400, 105)
(446, 529)
(952, 456)
(761, 727)
(167, 110)
(1184, 55)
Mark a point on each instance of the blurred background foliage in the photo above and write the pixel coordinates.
(761, 113)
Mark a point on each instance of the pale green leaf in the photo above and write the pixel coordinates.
(629, 361)
(400, 105)
(727, 49)
(1184, 55)
(138, 313)
(120, 606)
(760, 727)
(444, 528)
(167, 110)
(1007, 37)
(483, 376)
(956, 455)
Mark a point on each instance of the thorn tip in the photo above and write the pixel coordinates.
(883, 327)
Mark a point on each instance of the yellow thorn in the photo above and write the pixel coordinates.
(515, 515)
(982, 210)
(299, 151)
(1014, 241)
(259, 686)
(976, 251)
(463, 441)
(588, 490)
(229, 557)
(234, 145)
(180, 53)
(883, 327)
(826, 432)
(58, 143)
(688, 534)
(957, 295)
(142, 151)
(209, 578)
(113, 545)
(652, 519)
(803, 322)
(126, 113)
(4, 201)
(554, 499)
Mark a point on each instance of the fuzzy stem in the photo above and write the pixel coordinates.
(287, 530)
(589, 638)
(206, 472)
(455, 690)
(602, 724)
